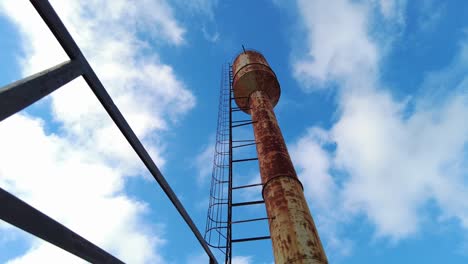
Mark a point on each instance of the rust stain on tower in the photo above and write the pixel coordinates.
(292, 229)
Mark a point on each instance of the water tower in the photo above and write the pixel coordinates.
(255, 89)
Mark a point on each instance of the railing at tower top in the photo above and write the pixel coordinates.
(21, 94)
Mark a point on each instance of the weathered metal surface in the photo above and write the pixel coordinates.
(252, 73)
(292, 229)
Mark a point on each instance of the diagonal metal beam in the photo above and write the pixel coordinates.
(23, 93)
(60, 32)
(22, 215)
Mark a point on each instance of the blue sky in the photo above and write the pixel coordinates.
(373, 109)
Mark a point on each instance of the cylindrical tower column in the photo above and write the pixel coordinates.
(293, 232)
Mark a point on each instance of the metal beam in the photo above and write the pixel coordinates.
(60, 32)
(249, 220)
(247, 186)
(244, 140)
(244, 145)
(23, 93)
(242, 160)
(243, 124)
(248, 203)
(242, 121)
(250, 239)
(31, 220)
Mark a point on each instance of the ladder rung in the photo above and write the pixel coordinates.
(241, 121)
(244, 145)
(249, 220)
(250, 239)
(239, 109)
(241, 160)
(248, 203)
(244, 124)
(246, 186)
(240, 97)
(216, 204)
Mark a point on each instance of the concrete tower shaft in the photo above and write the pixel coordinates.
(292, 229)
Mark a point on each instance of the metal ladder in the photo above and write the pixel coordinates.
(218, 233)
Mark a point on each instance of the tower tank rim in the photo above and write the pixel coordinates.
(267, 65)
(253, 64)
(244, 51)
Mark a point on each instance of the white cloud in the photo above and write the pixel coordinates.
(393, 10)
(198, 258)
(202, 258)
(252, 193)
(318, 184)
(431, 13)
(202, 15)
(142, 87)
(80, 170)
(201, 7)
(155, 18)
(41, 252)
(204, 162)
(58, 177)
(384, 158)
(313, 164)
(398, 164)
(211, 37)
(241, 260)
(394, 166)
(338, 45)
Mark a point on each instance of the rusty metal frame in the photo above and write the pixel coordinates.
(23, 93)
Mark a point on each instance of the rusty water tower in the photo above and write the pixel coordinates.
(293, 232)
(252, 85)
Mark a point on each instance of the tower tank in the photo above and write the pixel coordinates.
(253, 73)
